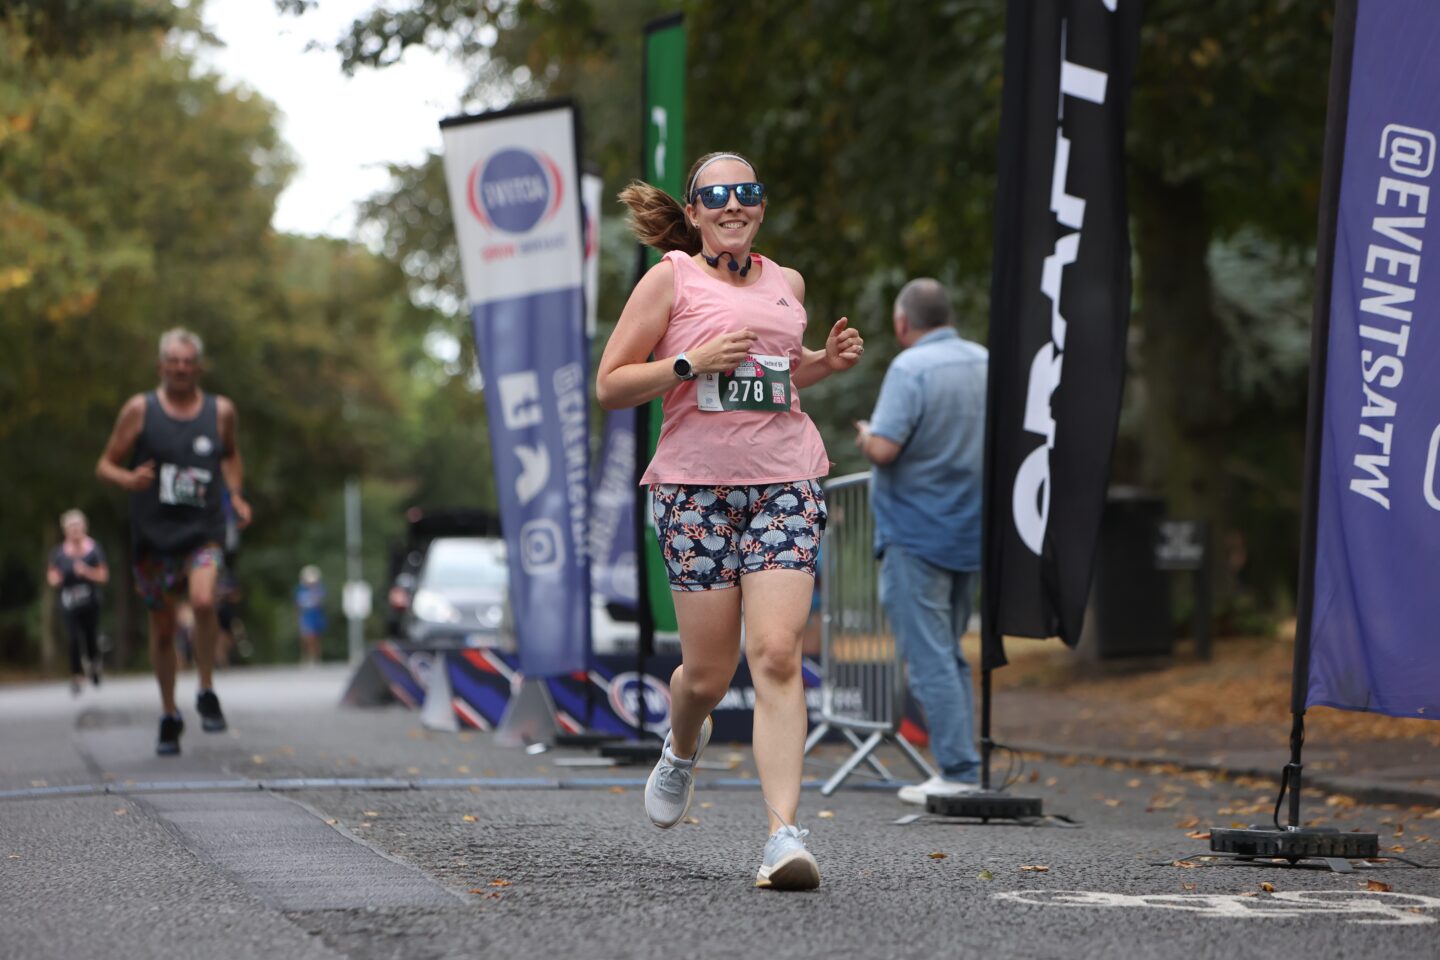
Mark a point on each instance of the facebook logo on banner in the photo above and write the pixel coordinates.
(1377, 527)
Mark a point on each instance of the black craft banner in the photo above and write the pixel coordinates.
(1060, 305)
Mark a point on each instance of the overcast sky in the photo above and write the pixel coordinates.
(341, 130)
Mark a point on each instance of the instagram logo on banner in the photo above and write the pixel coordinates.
(541, 549)
(1411, 150)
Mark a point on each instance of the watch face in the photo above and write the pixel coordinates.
(682, 368)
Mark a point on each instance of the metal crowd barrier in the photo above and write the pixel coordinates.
(862, 688)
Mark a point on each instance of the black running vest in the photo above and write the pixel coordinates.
(181, 510)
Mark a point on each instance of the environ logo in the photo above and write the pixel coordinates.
(514, 190)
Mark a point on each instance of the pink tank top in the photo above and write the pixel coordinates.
(739, 446)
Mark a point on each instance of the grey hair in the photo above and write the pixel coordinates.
(925, 304)
(71, 515)
(181, 335)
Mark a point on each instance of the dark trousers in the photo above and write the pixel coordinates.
(83, 624)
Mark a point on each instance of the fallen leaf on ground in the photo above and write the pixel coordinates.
(1112, 802)
(1035, 868)
(121, 812)
(692, 821)
(1340, 800)
(1051, 781)
(476, 890)
(706, 805)
(1184, 864)
(617, 789)
(462, 769)
(1249, 893)
(1198, 834)
(331, 822)
(257, 759)
(1377, 887)
(1268, 887)
(493, 895)
(371, 813)
(499, 883)
(984, 875)
(1188, 823)
(468, 818)
(1132, 784)
(826, 814)
(1189, 886)
(938, 856)
(412, 770)
(1034, 776)
(1397, 849)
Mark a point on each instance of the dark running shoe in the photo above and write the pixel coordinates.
(212, 720)
(170, 729)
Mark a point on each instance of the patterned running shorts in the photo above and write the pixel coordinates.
(711, 535)
(159, 576)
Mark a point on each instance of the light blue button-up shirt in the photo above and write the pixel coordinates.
(932, 403)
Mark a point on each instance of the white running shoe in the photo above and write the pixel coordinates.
(786, 864)
(671, 786)
(936, 786)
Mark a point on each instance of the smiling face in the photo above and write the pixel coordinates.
(731, 228)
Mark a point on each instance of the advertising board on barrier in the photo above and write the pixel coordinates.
(481, 682)
(514, 184)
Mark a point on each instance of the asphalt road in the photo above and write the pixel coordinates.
(191, 857)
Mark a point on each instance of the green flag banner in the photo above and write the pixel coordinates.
(664, 165)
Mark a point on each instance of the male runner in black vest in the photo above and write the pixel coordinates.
(174, 449)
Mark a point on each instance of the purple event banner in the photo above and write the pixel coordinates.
(1375, 639)
(514, 186)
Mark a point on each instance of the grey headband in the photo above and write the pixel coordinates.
(719, 156)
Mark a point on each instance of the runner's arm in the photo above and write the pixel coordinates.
(111, 465)
(840, 346)
(626, 376)
(231, 464)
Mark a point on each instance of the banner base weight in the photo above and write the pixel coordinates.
(986, 805)
(644, 752)
(1313, 843)
(585, 741)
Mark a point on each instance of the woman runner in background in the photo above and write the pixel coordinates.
(77, 567)
(734, 482)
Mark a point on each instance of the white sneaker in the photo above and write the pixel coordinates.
(936, 786)
(786, 864)
(671, 786)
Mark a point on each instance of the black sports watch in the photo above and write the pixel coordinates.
(682, 367)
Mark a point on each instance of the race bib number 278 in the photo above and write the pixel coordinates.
(760, 383)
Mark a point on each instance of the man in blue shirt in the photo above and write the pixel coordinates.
(927, 440)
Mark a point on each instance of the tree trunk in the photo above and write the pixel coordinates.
(1184, 410)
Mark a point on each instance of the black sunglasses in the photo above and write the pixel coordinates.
(716, 195)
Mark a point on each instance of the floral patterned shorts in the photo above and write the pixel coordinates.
(159, 576)
(711, 535)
